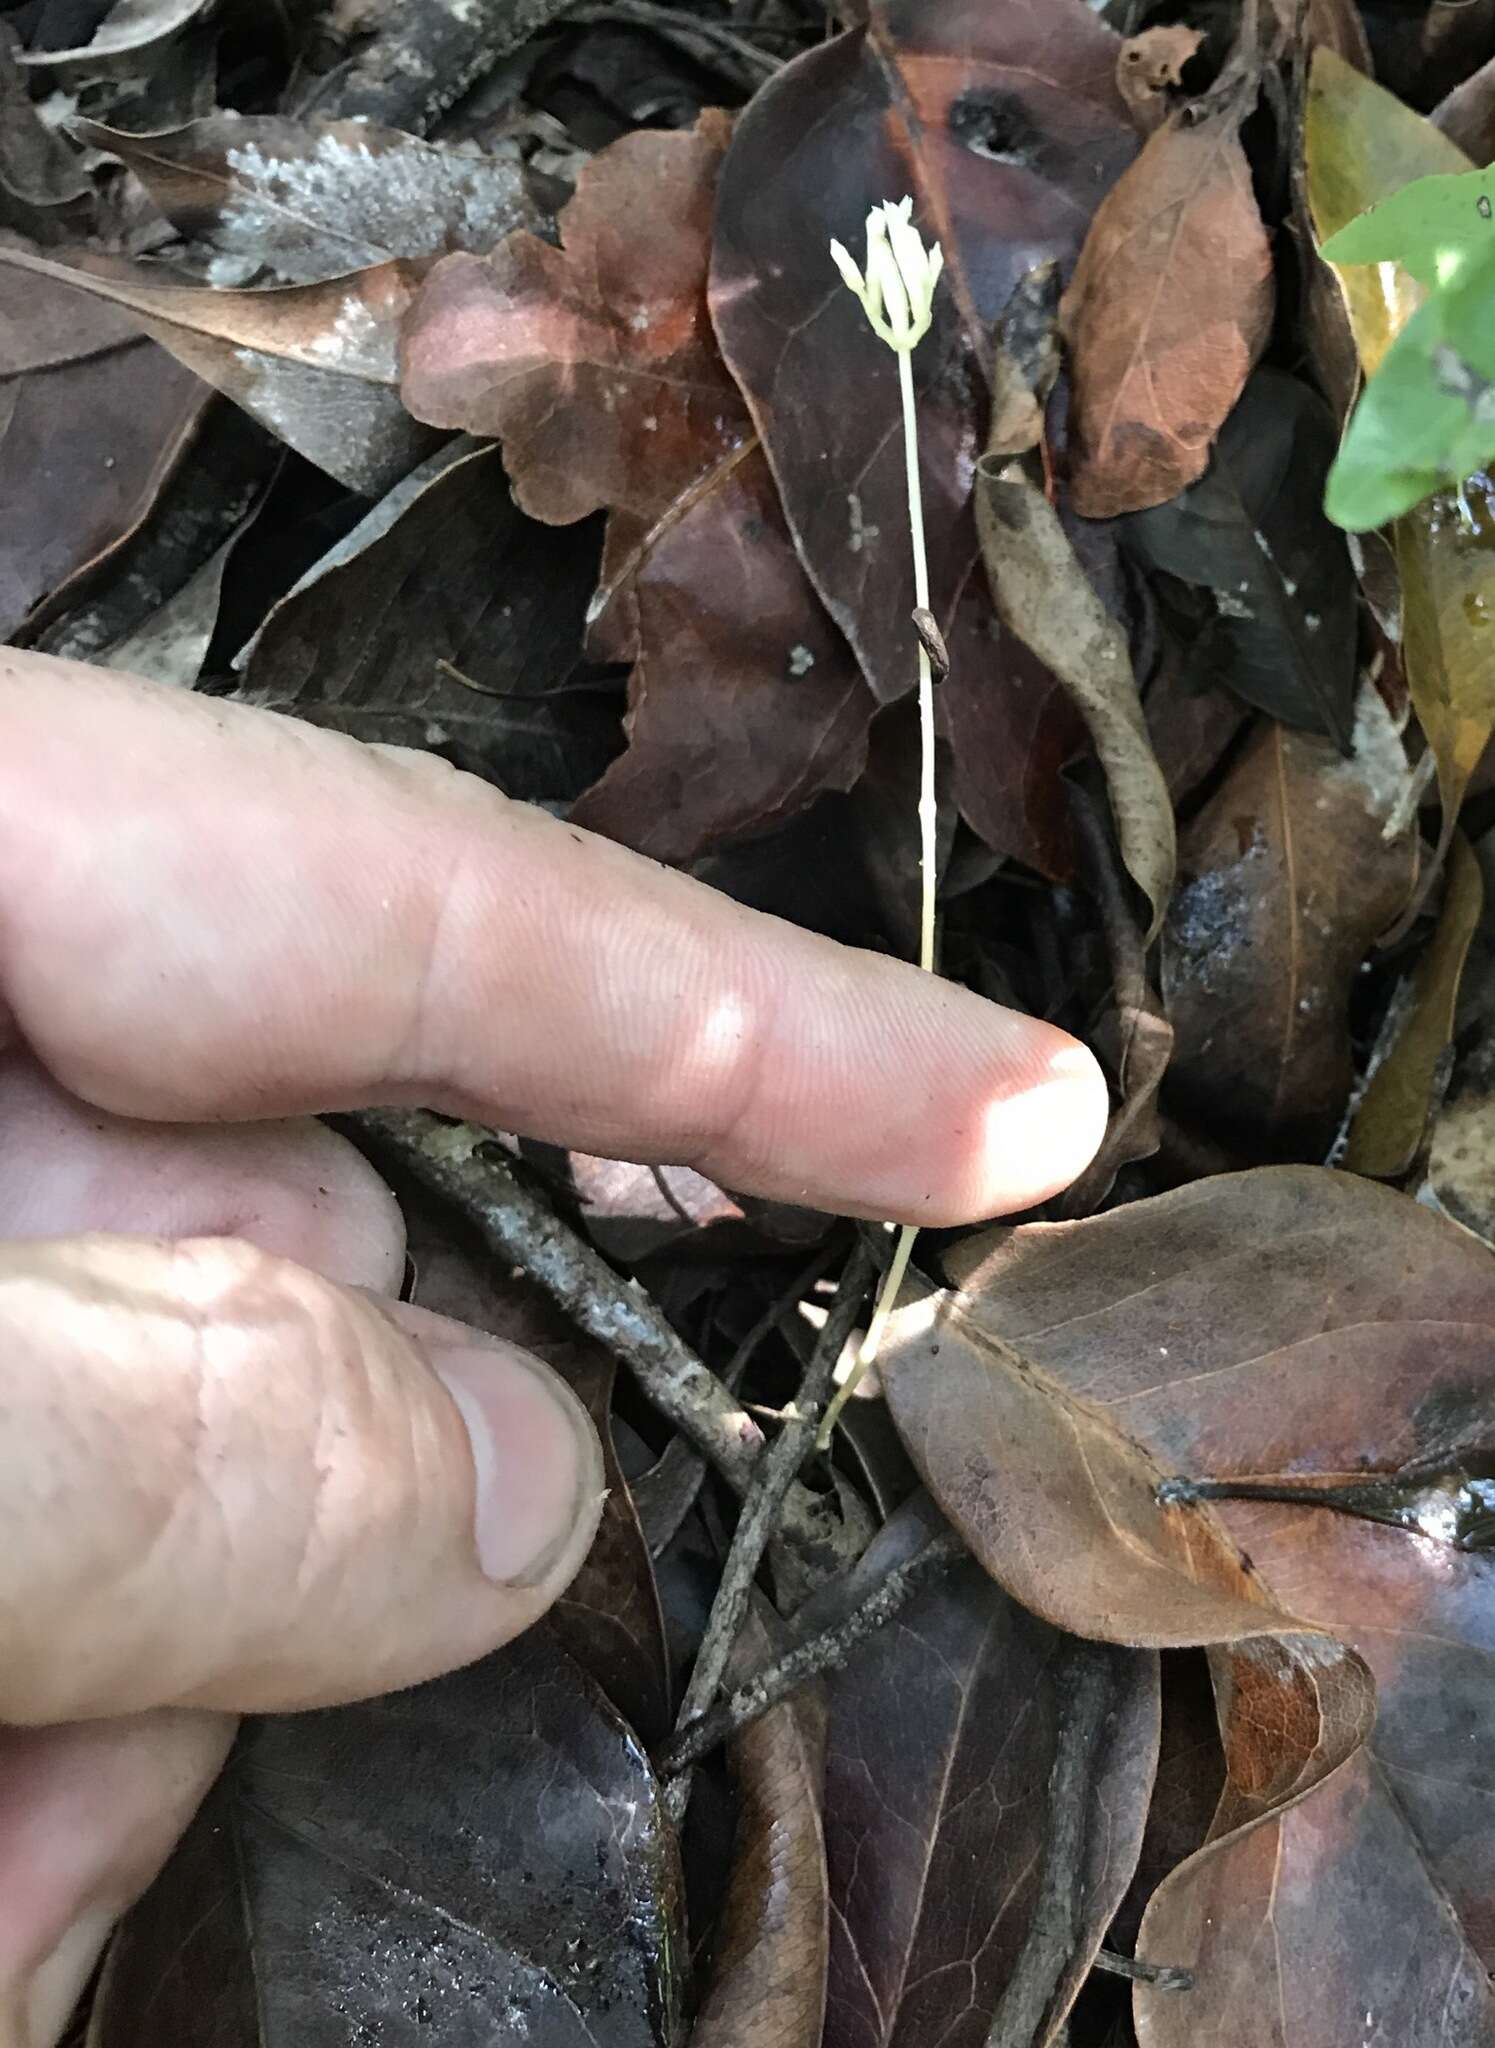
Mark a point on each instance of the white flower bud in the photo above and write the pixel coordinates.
(897, 293)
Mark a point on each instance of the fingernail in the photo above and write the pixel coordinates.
(535, 1455)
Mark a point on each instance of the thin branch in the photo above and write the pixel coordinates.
(827, 1651)
(461, 1164)
(1054, 1931)
(416, 58)
(666, 1493)
(1162, 1976)
(776, 1473)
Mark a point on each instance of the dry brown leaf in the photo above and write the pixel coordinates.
(1169, 308)
(316, 364)
(1292, 1324)
(768, 1978)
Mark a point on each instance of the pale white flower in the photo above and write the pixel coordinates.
(897, 292)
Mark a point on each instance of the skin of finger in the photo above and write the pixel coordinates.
(312, 924)
(226, 1482)
(88, 1814)
(90, 1810)
(291, 1186)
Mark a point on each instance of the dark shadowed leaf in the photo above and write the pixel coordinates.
(1421, 53)
(1186, 1792)
(446, 570)
(1284, 1325)
(307, 200)
(91, 425)
(1286, 880)
(768, 1978)
(1167, 313)
(1467, 115)
(1004, 124)
(484, 1858)
(1011, 729)
(944, 1732)
(744, 701)
(1252, 532)
(313, 363)
(44, 191)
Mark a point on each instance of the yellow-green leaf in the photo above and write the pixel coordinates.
(1360, 145)
(1392, 1119)
(1447, 570)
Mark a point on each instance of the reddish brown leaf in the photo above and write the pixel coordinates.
(1168, 311)
(769, 1974)
(597, 366)
(593, 363)
(92, 421)
(942, 1803)
(1286, 1324)
(1285, 881)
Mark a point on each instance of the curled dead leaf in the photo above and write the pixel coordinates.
(1043, 595)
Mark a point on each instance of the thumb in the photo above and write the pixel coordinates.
(227, 1482)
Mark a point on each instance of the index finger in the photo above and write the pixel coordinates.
(212, 911)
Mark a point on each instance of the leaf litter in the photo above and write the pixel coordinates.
(574, 463)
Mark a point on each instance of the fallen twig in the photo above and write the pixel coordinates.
(826, 1651)
(666, 1493)
(460, 1163)
(1054, 1929)
(1162, 1976)
(416, 58)
(758, 1522)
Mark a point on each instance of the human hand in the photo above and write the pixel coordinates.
(232, 1476)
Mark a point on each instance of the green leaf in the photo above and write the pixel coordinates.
(1413, 432)
(1432, 227)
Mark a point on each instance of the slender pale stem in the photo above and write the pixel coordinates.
(927, 812)
(898, 1264)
